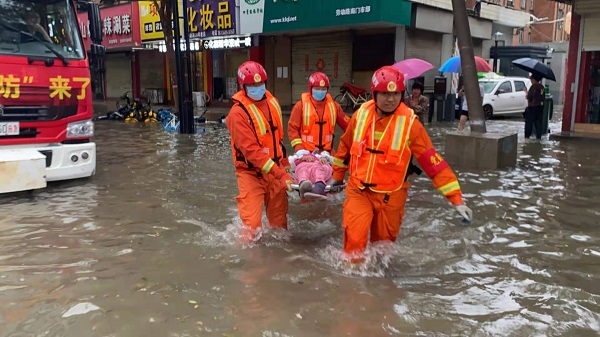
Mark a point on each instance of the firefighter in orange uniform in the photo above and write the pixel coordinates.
(377, 148)
(313, 119)
(312, 124)
(261, 165)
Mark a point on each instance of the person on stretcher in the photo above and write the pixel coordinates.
(312, 172)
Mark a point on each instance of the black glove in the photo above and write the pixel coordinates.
(336, 186)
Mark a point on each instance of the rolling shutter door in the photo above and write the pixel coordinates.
(152, 70)
(585, 7)
(324, 50)
(427, 46)
(591, 33)
(118, 74)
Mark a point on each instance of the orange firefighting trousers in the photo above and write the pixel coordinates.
(364, 211)
(256, 189)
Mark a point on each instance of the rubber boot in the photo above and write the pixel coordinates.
(305, 186)
(317, 192)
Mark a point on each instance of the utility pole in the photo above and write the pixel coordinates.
(186, 120)
(467, 63)
(180, 88)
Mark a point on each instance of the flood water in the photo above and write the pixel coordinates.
(148, 247)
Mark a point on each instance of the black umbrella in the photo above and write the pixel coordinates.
(535, 67)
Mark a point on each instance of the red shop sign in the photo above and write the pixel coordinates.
(120, 27)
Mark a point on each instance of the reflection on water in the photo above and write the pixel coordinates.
(148, 247)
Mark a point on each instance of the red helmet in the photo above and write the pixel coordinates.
(317, 79)
(387, 79)
(251, 72)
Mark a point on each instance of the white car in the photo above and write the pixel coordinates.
(504, 95)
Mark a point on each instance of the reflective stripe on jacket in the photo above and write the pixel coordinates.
(380, 160)
(269, 134)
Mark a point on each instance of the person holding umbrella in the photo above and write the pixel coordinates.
(535, 108)
(452, 65)
(534, 113)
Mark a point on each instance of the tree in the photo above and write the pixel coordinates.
(467, 61)
(165, 12)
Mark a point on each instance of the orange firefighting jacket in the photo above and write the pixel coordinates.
(315, 133)
(261, 148)
(377, 151)
(381, 165)
(312, 124)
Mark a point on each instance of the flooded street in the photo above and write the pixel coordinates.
(148, 247)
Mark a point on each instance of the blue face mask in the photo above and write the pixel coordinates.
(256, 93)
(319, 95)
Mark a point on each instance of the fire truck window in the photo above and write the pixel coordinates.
(24, 24)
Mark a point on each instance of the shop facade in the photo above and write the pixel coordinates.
(349, 41)
(121, 35)
(345, 41)
(216, 48)
(152, 58)
(227, 54)
(581, 111)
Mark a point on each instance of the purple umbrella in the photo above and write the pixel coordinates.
(412, 68)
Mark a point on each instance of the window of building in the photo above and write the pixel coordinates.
(523, 4)
(531, 7)
(510, 3)
(560, 15)
(521, 36)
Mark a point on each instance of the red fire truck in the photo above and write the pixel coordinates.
(45, 93)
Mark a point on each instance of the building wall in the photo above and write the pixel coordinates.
(514, 4)
(560, 34)
(545, 30)
(548, 31)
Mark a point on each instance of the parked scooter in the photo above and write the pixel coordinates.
(132, 112)
(141, 112)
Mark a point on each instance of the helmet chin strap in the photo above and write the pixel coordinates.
(385, 113)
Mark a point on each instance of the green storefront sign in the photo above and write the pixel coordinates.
(288, 15)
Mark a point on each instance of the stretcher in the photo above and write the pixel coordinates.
(296, 187)
(328, 189)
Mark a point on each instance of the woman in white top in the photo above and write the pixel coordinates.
(464, 114)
